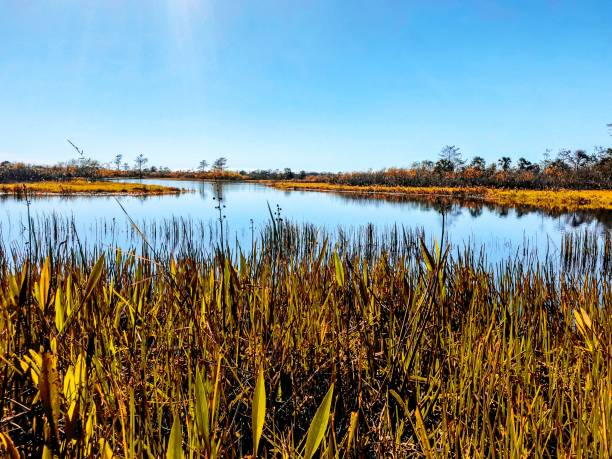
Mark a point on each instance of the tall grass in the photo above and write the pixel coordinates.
(355, 344)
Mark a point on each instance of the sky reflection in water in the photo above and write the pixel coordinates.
(500, 230)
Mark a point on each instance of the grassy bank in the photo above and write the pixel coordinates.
(559, 200)
(361, 349)
(83, 187)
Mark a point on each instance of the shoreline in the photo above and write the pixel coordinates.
(85, 188)
(561, 200)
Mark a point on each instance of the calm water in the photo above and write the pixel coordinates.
(501, 231)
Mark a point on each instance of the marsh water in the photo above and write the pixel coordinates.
(245, 210)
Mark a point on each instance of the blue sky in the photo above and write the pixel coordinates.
(316, 85)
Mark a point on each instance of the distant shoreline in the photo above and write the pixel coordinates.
(560, 200)
(557, 200)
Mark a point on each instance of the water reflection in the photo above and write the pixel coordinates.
(202, 190)
(245, 211)
(454, 206)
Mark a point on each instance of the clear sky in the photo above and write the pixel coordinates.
(306, 84)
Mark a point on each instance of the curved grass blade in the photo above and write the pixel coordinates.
(318, 425)
(259, 410)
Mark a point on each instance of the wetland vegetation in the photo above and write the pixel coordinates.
(256, 244)
(550, 200)
(84, 187)
(305, 343)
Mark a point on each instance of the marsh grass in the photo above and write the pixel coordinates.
(357, 345)
(84, 187)
(553, 200)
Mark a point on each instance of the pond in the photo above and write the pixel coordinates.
(501, 231)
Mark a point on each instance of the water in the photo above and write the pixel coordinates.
(501, 231)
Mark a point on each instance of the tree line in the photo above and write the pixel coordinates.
(86, 167)
(568, 169)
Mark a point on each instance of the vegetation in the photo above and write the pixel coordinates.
(20, 172)
(575, 169)
(570, 169)
(285, 174)
(558, 200)
(84, 187)
(358, 345)
(92, 170)
(219, 164)
(140, 162)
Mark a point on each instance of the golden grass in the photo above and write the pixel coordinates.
(559, 200)
(83, 187)
(303, 349)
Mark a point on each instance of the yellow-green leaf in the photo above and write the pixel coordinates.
(47, 454)
(586, 319)
(42, 292)
(397, 398)
(259, 410)
(339, 270)
(352, 428)
(318, 425)
(94, 277)
(175, 442)
(106, 452)
(421, 432)
(49, 387)
(59, 312)
(201, 406)
(427, 257)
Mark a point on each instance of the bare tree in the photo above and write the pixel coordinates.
(576, 159)
(203, 165)
(219, 164)
(451, 154)
(140, 162)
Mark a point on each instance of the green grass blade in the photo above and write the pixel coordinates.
(317, 428)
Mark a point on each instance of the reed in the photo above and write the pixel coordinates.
(356, 344)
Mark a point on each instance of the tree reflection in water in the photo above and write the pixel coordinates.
(454, 207)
